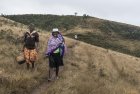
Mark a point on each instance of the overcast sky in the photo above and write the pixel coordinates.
(126, 11)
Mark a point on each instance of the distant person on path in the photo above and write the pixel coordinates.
(55, 52)
(76, 37)
(31, 40)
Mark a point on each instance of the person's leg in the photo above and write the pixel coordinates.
(57, 72)
(50, 74)
(58, 63)
(51, 67)
(33, 64)
(33, 57)
(27, 57)
(28, 65)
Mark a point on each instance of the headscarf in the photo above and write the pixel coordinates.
(54, 43)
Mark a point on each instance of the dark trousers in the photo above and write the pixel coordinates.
(55, 60)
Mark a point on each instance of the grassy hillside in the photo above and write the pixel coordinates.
(114, 42)
(88, 69)
(94, 70)
(47, 22)
(14, 78)
(107, 34)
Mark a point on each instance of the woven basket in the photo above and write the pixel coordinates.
(20, 59)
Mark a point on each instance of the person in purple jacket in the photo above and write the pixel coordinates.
(55, 52)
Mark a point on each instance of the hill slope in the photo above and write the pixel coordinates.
(93, 70)
(88, 69)
(14, 78)
(120, 37)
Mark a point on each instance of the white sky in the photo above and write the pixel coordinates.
(126, 11)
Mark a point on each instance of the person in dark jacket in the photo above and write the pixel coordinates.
(31, 40)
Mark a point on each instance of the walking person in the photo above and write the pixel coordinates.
(31, 40)
(55, 52)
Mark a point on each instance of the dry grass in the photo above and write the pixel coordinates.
(88, 69)
(110, 40)
(14, 78)
(93, 70)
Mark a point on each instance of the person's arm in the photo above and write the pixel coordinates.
(63, 40)
(37, 46)
(24, 39)
(37, 42)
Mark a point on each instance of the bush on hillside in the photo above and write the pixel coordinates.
(47, 22)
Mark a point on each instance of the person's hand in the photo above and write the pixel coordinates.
(47, 54)
(60, 44)
(22, 50)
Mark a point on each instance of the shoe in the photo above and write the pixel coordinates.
(49, 80)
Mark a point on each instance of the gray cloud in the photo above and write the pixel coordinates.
(117, 10)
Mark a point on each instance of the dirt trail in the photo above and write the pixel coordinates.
(43, 87)
(120, 72)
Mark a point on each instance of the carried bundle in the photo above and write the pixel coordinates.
(20, 59)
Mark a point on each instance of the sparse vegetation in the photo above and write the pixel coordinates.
(88, 69)
(108, 43)
(47, 22)
(112, 33)
(14, 78)
(94, 70)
